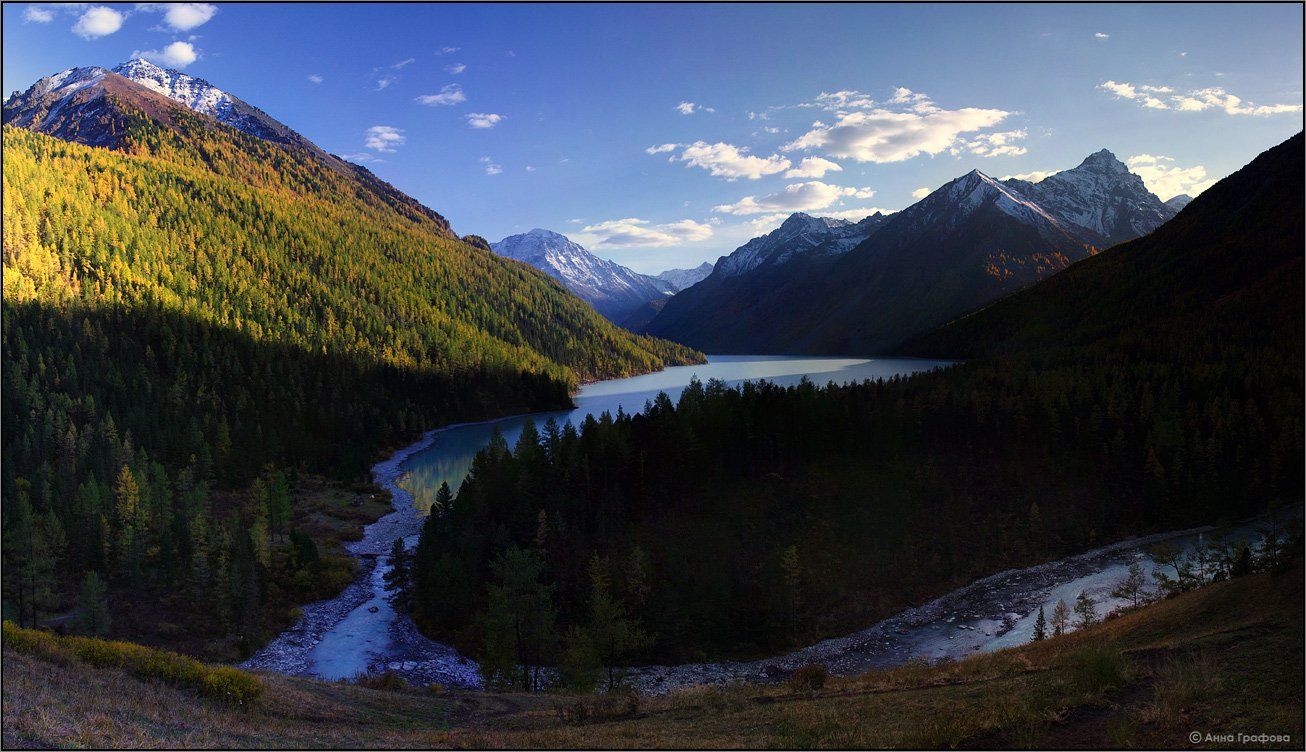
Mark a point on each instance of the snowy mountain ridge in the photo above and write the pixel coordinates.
(611, 288)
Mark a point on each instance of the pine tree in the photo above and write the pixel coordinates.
(1040, 627)
(1085, 609)
(397, 578)
(518, 622)
(94, 603)
(1134, 587)
(614, 633)
(792, 572)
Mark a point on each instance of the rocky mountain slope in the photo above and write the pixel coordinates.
(816, 286)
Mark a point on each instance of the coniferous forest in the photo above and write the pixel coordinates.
(197, 318)
(1154, 386)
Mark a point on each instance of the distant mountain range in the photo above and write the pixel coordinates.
(679, 279)
(828, 286)
(617, 292)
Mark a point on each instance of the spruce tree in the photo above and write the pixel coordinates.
(94, 603)
(1040, 627)
(1085, 609)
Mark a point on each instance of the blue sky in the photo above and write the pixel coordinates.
(667, 135)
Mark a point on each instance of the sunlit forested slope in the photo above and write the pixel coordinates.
(196, 303)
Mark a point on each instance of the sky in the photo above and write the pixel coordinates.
(663, 136)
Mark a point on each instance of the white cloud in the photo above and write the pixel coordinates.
(724, 160)
(813, 167)
(187, 16)
(856, 215)
(1100, 35)
(315, 78)
(1211, 98)
(384, 138)
(796, 197)
(689, 108)
(993, 144)
(456, 68)
(1032, 176)
(449, 94)
(175, 55)
(404, 63)
(921, 193)
(530, 168)
(490, 167)
(640, 233)
(873, 133)
(483, 119)
(37, 14)
(448, 50)
(385, 81)
(97, 22)
(1167, 180)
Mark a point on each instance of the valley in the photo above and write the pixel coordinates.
(554, 376)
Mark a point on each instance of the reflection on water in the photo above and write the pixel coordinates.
(449, 458)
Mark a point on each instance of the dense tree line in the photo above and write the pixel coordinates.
(184, 313)
(768, 517)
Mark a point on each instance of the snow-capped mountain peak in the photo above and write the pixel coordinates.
(611, 288)
(1100, 197)
(679, 279)
(800, 233)
(195, 93)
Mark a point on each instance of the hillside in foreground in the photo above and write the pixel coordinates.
(1223, 659)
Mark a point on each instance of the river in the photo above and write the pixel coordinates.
(359, 631)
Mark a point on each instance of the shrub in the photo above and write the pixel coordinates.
(216, 682)
(387, 682)
(809, 678)
(1096, 669)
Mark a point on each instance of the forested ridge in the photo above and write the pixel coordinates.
(195, 318)
(1155, 386)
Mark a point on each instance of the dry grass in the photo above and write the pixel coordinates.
(1228, 657)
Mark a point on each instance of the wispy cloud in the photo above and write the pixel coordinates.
(689, 108)
(1032, 176)
(490, 167)
(37, 14)
(449, 94)
(633, 232)
(447, 50)
(796, 197)
(920, 193)
(384, 82)
(483, 119)
(315, 78)
(992, 144)
(1196, 100)
(1101, 35)
(404, 63)
(384, 138)
(456, 68)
